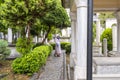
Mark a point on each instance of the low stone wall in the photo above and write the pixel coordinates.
(106, 76)
(106, 65)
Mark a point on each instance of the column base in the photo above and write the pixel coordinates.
(114, 54)
(72, 62)
(114, 49)
(80, 73)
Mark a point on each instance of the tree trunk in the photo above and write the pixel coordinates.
(13, 37)
(28, 31)
(23, 33)
(18, 35)
(46, 35)
(4, 36)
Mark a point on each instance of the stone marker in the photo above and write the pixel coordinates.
(105, 47)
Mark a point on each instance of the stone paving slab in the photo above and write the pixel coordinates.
(53, 68)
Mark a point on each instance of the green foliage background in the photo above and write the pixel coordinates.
(23, 46)
(4, 51)
(107, 33)
(37, 16)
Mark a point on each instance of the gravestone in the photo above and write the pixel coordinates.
(105, 47)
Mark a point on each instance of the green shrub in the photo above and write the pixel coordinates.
(27, 64)
(50, 36)
(53, 45)
(4, 51)
(23, 46)
(63, 44)
(45, 49)
(108, 35)
(68, 48)
(37, 45)
(33, 61)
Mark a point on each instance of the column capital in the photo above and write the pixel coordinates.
(117, 14)
(81, 3)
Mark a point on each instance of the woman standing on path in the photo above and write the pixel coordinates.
(57, 47)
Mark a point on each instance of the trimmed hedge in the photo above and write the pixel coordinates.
(53, 45)
(68, 48)
(23, 46)
(64, 45)
(33, 61)
(37, 45)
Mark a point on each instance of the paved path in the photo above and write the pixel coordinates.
(53, 68)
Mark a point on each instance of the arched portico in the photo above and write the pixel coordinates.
(79, 18)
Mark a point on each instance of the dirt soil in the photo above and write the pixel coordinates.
(5, 68)
(71, 69)
(67, 59)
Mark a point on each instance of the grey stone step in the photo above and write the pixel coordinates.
(106, 76)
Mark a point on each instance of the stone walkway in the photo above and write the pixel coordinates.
(53, 68)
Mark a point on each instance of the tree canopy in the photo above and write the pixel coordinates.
(34, 14)
(24, 12)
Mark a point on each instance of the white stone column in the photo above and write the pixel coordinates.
(9, 35)
(118, 31)
(75, 37)
(114, 37)
(73, 27)
(98, 32)
(98, 43)
(81, 47)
